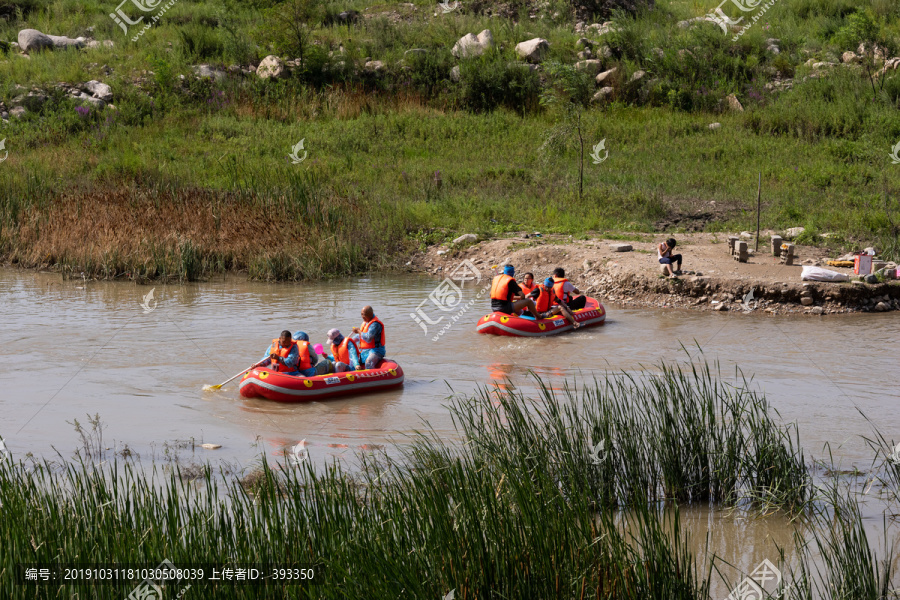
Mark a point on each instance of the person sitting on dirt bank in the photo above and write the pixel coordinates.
(506, 295)
(344, 352)
(548, 305)
(283, 355)
(370, 339)
(664, 250)
(565, 290)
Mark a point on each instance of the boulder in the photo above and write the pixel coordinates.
(87, 99)
(849, 57)
(734, 104)
(585, 54)
(603, 29)
(271, 67)
(602, 94)
(806, 301)
(715, 125)
(882, 307)
(466, 239)
(374, 66)
(17, 112)
(620, 247)
(816, 310)
(592, 66)
(208, 71)
(98, 90)
(454, 74)
(637, 76)
(793, 232)
(471, 45)
(602, 77)
(99, 44)
(533, 50)
(34, 40)
(584, 43)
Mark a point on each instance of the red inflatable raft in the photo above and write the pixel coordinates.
(264, 383)
(497, 323)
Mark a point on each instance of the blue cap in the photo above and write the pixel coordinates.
(548, 282)
(509, 270)
(300, 336)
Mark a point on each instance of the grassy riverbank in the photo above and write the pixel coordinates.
(190, 177)
(530, 506)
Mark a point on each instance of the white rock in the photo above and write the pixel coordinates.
(715, 125)
(637, 76)
(471, 45)
(208, 71)
(601, 77)
(32, 39)
(533, 50)
(17, 112)
(468, 237)
(454, 74)
(620, 247)
(271, 67)
(734, 104)
(849, 57)
(602, 94)
(211, 446)
(793, 232)
(591, 66)
(98, 90)
(374, 66)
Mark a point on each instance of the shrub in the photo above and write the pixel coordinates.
(489, 82)
(860, 28)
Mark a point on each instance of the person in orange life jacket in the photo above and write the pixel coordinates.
(527, 286)
(549, 305)
(316, 367)
(344, 352)
(664, 252)
(565, 291)
(506, 295)
(370, 338)
(282, 355)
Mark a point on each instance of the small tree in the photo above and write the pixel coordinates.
(572, 90)
(299, 16)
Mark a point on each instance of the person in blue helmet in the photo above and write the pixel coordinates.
(507, 296)
(307, 358)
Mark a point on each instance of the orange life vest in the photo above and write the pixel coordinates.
(283, 352)
(500, 287)
(342, 353)
(544, 299)
(305, 361)
(558, 285)
(363, 344)
(526, 290)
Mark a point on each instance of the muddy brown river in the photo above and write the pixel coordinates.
(72, 348)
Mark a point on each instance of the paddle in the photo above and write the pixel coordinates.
(208, 388)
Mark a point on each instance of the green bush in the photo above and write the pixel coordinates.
(491, 81)
(200, 43)
(860, 28)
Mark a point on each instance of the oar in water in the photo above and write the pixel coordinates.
(209, 388)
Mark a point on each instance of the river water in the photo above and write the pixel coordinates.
(73, 348)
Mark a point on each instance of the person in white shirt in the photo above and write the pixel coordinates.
(664, 251)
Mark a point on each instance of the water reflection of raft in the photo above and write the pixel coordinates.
(503, 324)
(263, 383)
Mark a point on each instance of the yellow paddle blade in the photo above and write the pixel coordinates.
(210, 388)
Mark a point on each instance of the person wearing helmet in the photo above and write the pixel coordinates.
(507, 296)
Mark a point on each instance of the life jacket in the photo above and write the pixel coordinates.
(363, 344)
(544, 299)
(342, 353)
(283, 352)
(558, 285)
(526, 290)
(500, 287)
(305, 361)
